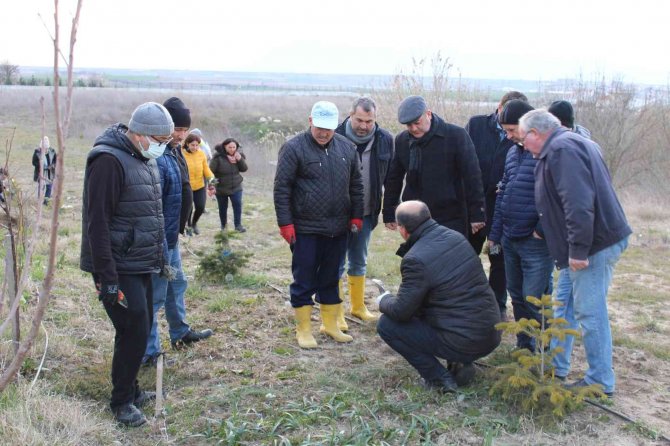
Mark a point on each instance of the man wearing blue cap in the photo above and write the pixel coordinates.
(436, 163)
(318, 197)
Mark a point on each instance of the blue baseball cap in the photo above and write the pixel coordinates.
(325, 115)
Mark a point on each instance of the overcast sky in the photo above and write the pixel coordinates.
(501, 39)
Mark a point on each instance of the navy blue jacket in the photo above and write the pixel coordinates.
(515, 215)
(578, 207)
(491, 146)
(171, 188)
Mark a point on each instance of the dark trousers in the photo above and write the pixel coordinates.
(199, 201)
(132, 330)
(497, 270)
(236, 200)
(420, 345)
(316, 268)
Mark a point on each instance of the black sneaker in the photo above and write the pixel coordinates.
(192, 336)
(240, 228)
(575, 386)
(129, 415)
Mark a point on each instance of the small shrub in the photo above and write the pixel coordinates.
(530, 382)
(222, 263)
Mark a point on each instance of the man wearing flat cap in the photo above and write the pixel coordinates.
(123, 241)
(437, 163)
(318, 198)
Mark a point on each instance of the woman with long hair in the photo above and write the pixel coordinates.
(226, 165)
(198, 172)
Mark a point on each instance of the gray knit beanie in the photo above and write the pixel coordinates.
(151, 119)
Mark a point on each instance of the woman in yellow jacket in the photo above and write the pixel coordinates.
(198, 172)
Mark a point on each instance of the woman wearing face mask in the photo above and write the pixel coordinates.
(226, 165)
(198, 172)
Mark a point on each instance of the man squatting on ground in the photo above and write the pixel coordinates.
(586, 232)
(444, 307)
(123, 241)
(491, 144)
(318, 198)
(438, 165)
(169, 292)
(374, 146)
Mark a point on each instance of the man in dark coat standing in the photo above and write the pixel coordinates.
(122, 241)
(491, 145)
(374, 146)
(586, 232)
(318, 197)
(437, 164)
(444, 307)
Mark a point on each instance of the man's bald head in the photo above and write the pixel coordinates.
(411, 214)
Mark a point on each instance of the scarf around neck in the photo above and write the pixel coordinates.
(415, 144)
(349, 131)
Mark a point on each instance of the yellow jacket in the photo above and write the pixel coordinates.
(198, 169)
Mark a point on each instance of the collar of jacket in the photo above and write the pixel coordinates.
(311, 139)
(415, 236)
(493, 121)
(341, 129)
(554, 134)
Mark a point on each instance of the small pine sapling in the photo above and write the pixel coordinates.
(221, 263)
(530, 381)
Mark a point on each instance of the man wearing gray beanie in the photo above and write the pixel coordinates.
(122, 226)
(436, 163)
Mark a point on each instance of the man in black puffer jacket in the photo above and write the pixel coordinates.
(439, 166)
(444, 307)
(123, 241)
(318, 197)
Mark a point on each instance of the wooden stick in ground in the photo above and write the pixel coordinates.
(159, 386)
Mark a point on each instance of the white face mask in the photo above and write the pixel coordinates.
(154, 150)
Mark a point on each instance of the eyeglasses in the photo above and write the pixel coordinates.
(162, 143)
(523, 140)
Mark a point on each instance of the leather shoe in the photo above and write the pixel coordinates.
(129, 415)
(463, 373)
(444, 385)
(192, 336)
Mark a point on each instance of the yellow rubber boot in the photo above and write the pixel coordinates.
(303, 331)
(357, 293)
(329, 318)
(341, 321)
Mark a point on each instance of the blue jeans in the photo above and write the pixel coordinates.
(528, 268)
(584, 295)
(357, 249)
(171, 295)
(420, 345)
(236, 200)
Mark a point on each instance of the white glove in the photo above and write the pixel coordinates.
(381, 296)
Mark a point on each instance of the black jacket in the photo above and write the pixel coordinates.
(48, 170)
(318, 189)
(122, 216)
(491, 152)
(444, 285)
(227, 174)
(380, 159)
(449, 178)
(579, 210)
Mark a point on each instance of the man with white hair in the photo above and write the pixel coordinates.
(586, 231)
(318, 197)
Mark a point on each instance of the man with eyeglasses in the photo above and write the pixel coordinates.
(169, 289)
(122, 234)
(516, 225)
